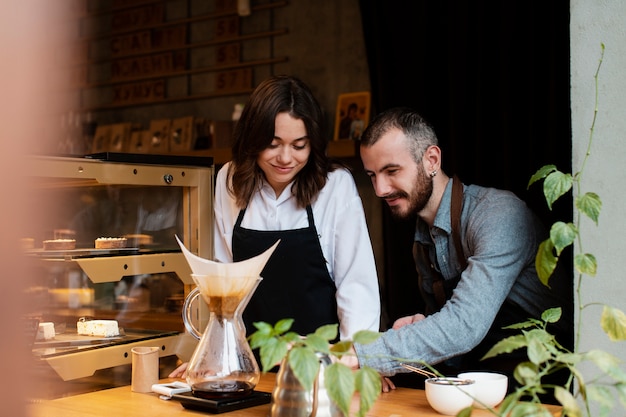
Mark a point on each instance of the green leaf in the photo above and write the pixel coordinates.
(545, 261)
(526, 373)
(555, 185)
(586, 263)
(526, 409)
(262, 327)
(541, 173)
(509, 402)
(562, 235)
(282, 326)
(327, 332)
(601, 395)
(340, 385)
(506, 345)
(341, 348)
(613, 322)
(551, 315)
(603, 360)
(365, 337)
(590, 205)
(293, 338)
(466, 412)
(317, 343)
(567, 400)
(525, 324)
(272, 352)
(368, 384)
(305, 365)
(571, 358)
(537, 353)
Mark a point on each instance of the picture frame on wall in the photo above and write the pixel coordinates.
(182, 134)
(158, 141)
(120, 137)
(352, 116)
(101, 139)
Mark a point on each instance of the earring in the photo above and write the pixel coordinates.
(432, 174)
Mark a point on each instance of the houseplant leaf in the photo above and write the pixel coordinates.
(305, 365)
(340, 385)
(368, 385)
(613, 322)
(590, 205)
(555, 185)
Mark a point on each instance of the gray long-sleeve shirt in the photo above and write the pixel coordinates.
(500, 237)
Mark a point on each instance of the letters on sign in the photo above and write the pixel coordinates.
(131, 43)
(146, 66)
(142, 92)
(146, 41)
(234, 80)
(139, 17)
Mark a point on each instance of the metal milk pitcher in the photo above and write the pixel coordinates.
(290, 399)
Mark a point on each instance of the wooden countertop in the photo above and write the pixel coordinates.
(122, 402)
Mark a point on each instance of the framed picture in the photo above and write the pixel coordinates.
(182, 134)
(139, 141)
(120, 137)
(158, 141)
(102, 139)
(353, 113)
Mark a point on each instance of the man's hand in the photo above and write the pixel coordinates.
(351, 361)
(407, 320)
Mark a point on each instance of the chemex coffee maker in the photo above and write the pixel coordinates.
(222, 366)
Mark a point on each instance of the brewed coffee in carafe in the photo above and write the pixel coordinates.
(223, 364)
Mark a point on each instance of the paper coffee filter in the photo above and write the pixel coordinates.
(216, 286)
(249, 268)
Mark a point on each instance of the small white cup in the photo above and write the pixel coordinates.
(490, 387)
(449, 395)
(144, 368)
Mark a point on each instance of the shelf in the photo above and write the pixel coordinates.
(336, 149)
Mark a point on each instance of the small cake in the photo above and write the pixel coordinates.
(45, 331)
(110, 242)
(102, 328)
(59, 244)
(136, 240)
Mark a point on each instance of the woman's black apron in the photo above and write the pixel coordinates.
(296, 283)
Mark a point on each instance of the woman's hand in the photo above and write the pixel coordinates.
(387, 384)
(407, 320)
(180, 372)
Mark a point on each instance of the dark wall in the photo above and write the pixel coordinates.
(493, 79)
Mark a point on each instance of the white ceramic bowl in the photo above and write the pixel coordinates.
(449, 395)
(489, 389)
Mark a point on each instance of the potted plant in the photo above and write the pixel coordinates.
(545, 355)
(306, 355)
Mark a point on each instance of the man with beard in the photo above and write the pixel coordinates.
(474, 251)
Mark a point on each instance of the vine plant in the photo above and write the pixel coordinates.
(545, 354)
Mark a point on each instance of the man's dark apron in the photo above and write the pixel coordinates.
(296, 283)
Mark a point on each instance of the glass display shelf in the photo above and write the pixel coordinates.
(144, 199)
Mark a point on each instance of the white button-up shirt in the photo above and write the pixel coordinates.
(342, 230)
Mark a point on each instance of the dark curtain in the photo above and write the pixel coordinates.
(493, 79)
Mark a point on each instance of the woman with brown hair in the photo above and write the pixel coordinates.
(281, 184)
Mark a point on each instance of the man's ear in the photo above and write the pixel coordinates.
(432, 158)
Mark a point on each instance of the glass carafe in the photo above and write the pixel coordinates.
(223, 364)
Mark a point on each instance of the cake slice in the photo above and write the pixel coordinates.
(101, 328)
(45, 331)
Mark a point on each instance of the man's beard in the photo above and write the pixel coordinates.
(417, 198)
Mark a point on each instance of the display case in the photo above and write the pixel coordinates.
(146, 201)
